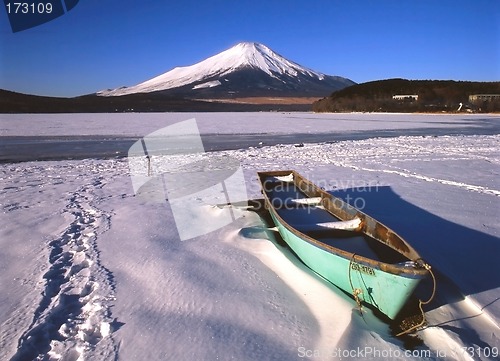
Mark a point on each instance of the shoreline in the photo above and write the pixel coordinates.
(18, 149)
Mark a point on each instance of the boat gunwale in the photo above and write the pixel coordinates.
(353, 257)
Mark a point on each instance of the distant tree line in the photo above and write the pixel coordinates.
(433, 96)
(12, 102)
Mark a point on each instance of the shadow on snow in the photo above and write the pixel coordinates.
(457, 254)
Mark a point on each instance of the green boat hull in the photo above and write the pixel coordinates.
(385, 291)
(372, 263)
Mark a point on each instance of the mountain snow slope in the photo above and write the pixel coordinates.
(246, 69)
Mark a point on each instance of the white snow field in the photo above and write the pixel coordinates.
(140, 124)
(91, 271)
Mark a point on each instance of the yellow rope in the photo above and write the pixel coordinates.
(355, 291)
(421, 303)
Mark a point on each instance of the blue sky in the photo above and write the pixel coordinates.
(106, 44)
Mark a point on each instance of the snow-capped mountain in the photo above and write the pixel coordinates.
(246, 69)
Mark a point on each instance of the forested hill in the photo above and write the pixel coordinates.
(422, 96)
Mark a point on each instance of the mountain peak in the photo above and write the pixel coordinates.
(249, 47)
(247, 44)
(259, 56)
(212, 72)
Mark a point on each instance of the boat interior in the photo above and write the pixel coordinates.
(309, 217)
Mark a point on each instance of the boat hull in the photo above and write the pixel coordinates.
(386, 287)
(385, 291)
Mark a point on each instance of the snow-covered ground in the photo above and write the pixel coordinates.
(90, 271)
(140, 124)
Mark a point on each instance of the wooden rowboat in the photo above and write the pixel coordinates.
(345, 246)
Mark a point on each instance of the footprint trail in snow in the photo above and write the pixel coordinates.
(74, 313)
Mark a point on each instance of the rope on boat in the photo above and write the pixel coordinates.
(355, 291)
(421, 303)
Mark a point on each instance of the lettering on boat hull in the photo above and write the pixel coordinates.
(362, 268)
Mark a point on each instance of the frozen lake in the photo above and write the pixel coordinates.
(90, 270)
(78, 136)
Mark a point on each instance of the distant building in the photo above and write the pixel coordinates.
(476, 97)
(405, 97)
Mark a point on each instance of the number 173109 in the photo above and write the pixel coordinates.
(29, 8)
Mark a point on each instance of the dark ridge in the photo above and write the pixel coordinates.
(433, 96)
(11, 102)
